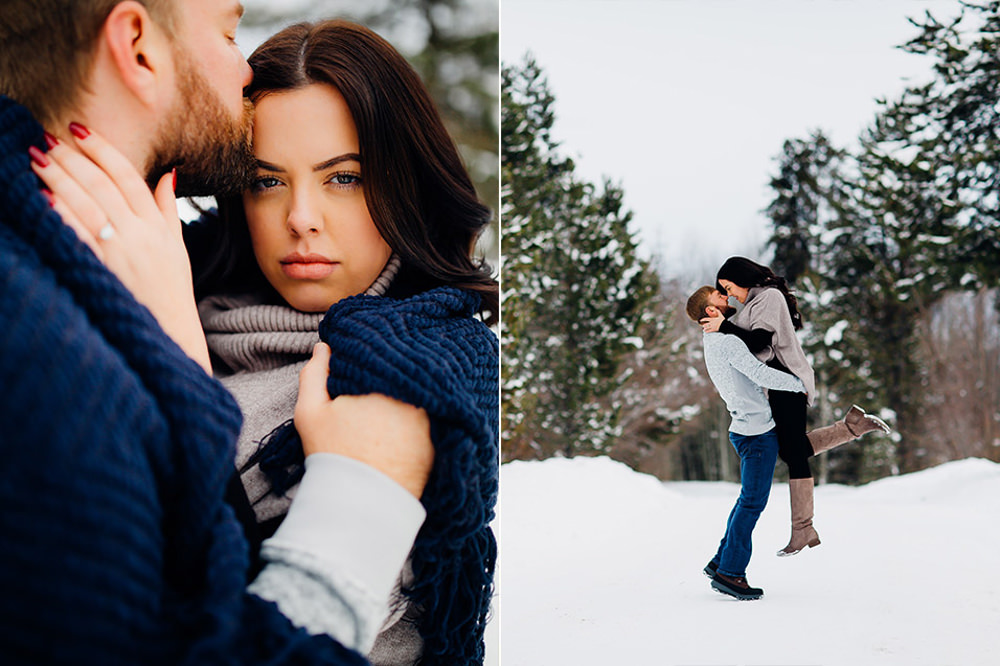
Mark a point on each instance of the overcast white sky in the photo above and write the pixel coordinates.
(686, 103)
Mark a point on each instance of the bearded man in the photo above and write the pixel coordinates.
(118, 545)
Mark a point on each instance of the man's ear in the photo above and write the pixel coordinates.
(138, 49)
(711, 311)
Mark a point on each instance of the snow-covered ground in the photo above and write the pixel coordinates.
(600, 565)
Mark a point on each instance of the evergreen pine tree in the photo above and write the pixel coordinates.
(956, 122)
(915, 215)
(574, 289)
(803, 188)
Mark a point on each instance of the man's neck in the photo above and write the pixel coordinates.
(118, 121)
(134, 148)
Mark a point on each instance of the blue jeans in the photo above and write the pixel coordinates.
(758, 454)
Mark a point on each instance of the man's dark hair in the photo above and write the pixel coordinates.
(698, 302)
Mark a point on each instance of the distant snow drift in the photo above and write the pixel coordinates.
(601, 565)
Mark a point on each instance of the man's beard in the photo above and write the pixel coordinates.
(728, 311)
(210, 149)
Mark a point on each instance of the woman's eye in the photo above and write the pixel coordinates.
(264, 183)
(345, 179)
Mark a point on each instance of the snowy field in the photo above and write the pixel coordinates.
(600, 565)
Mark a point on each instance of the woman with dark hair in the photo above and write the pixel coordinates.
(417, 191)
(767, 324)
(360, 222)
(358, 228)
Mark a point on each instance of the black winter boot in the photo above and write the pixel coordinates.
(735, 587)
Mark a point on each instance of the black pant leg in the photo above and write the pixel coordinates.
(789, 412)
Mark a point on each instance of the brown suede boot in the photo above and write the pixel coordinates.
(828, 437)
(858, 422)
(854, 424)
(803, 533)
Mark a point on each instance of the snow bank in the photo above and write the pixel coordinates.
(960, 481)
(601, 565)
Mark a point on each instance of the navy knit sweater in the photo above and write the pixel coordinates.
(117, 547)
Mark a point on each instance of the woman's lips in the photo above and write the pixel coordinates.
(307, 267)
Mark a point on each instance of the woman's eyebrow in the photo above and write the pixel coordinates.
(267, 166)
(333, 161)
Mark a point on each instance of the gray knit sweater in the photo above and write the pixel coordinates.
(766, 308)
(257, 352)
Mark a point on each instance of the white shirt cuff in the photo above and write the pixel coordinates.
(354, 517)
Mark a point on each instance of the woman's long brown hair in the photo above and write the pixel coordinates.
(417, 189)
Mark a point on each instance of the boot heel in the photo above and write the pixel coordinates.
(803, 533)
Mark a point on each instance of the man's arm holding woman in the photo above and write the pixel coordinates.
(756, 339)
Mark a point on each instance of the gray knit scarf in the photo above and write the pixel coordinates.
(257, 352)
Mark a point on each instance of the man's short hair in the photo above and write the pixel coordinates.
(698, 302)
(47, 48)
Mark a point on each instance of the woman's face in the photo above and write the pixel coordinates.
(312, 234)
(734, 290)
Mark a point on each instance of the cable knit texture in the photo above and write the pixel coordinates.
(430, 351)
(257, 352)
(244, 333)
(118, 547)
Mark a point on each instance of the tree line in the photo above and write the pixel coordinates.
(892, 245)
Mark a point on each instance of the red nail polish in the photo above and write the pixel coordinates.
(51, 141)
(174, 172)
(38, 157)
(79, 131)
(49, 197)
